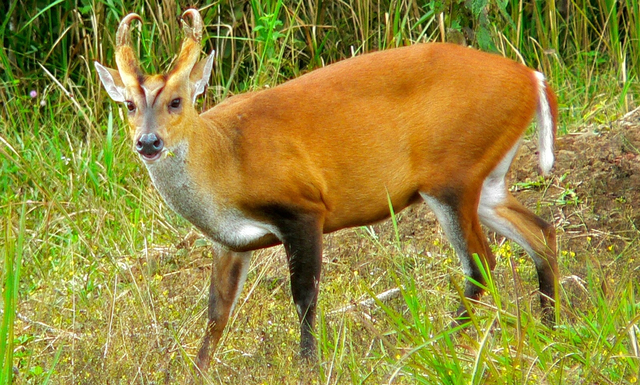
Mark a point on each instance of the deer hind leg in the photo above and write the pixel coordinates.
(502, 213)
(228, 274)
(457, 214)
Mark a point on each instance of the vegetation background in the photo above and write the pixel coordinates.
(102, 283)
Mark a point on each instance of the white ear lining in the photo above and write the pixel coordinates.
(201, 83)
(115, 92)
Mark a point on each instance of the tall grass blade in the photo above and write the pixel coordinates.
(12, 251)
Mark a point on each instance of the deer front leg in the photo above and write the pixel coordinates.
(228, 274)
(301, 235)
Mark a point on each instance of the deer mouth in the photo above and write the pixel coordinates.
(151, 157)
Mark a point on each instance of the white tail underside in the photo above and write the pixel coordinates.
(545, 127)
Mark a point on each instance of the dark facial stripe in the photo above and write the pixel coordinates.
(141, 78)
(157, 95)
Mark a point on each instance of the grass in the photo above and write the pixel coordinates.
(101, 280)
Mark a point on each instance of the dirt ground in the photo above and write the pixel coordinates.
(601, 166)
(594, 196)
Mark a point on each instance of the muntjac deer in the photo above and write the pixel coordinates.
(330, 150)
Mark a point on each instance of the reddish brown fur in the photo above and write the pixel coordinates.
(327, 150)
(346, 143)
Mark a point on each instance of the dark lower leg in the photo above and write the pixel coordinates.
(301, 235)
(305, 276)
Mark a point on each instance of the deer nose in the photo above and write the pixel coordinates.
(149, 145)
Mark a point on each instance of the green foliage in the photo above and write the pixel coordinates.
(268, 41)
(93, 289)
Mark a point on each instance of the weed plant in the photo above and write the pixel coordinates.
(102, 283)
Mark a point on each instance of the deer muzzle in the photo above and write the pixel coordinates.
(149, 146)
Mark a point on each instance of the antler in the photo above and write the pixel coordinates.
(194, 32)
(190, 51)
(125, 57)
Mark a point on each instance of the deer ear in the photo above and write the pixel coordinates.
(111, 81)
(200, 75)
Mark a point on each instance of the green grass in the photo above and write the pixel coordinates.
(98, 284)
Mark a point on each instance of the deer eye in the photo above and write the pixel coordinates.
(130, 105)
(175, 103)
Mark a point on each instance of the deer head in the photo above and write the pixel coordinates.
(160, 107)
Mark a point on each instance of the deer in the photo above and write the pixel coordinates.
(332, 149)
